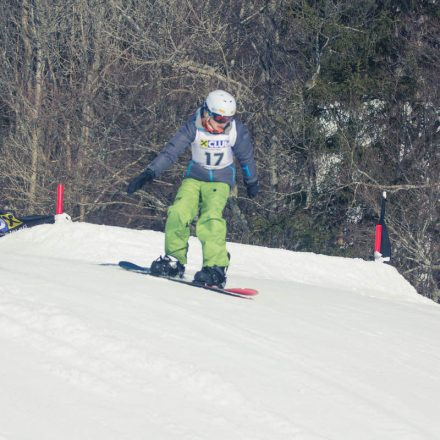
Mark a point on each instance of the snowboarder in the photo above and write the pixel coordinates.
(215, 136)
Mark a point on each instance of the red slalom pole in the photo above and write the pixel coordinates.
(382, 244)
(60, 197)
(378, 240)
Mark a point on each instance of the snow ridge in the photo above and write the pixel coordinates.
(332, 348)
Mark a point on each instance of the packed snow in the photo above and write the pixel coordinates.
(331, 348)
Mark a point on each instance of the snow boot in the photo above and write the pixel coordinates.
(167, 267)
(211, 276)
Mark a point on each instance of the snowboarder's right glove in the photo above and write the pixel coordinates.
(252, 189)
(139, 181)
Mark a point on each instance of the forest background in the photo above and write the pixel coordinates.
(341, 97)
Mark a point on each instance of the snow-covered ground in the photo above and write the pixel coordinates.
(331, 348)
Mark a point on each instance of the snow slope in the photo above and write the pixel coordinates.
(331, 348)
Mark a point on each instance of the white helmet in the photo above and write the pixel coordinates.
(221, 103)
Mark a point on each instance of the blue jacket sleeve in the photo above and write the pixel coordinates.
(244, 151)
(174, 148)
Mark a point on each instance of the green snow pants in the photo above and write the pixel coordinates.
(210, 199)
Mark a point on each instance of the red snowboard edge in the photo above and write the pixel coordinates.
(243, 291)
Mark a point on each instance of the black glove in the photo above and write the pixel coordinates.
(140, 181)
(252, 189)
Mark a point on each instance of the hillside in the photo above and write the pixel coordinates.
(331, 348)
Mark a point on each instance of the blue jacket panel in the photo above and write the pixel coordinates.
(242, 149)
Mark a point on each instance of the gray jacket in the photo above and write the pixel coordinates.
(242, 150)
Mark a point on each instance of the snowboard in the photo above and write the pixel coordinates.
(239, 292)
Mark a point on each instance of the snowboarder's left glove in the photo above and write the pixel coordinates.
(252, 189)
(139, 181)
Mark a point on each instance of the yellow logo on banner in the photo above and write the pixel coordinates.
(11, 221)
(204, 143)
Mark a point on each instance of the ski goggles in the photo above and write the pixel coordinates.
(219, 118)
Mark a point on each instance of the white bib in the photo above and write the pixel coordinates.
(214, 151)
